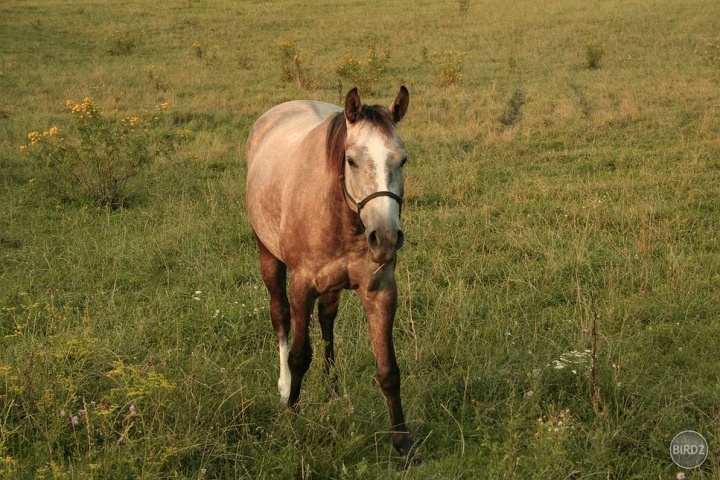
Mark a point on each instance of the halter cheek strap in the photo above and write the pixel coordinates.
(359, 205)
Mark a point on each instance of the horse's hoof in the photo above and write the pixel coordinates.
(413, 459)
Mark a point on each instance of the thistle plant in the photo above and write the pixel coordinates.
(96, 156)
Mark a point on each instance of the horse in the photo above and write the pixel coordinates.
(324, 196)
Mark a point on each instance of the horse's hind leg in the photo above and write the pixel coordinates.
(327, 311)
(274, 273)
(302, 300)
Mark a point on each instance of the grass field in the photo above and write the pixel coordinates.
(559, 312)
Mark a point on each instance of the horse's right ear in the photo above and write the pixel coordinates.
(352, 105)
(400, 105)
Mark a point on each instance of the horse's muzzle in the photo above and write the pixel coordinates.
(384, 243)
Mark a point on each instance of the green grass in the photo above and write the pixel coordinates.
(549, 206)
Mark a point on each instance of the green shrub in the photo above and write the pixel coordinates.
(121, 44)
(710, 52)
(594, 53)
(450, 64)
(293, 65)
(96, 156)
(363, 74)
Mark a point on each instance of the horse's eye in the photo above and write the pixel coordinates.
(403, 161)
(351, 162)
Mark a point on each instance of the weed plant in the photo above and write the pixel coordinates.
(363, 73)
(94, 157)
(293, 65)
(121, 44)
(450, 63)
(710, 52)
(594, 53)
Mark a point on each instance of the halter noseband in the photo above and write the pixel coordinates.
(359, 205)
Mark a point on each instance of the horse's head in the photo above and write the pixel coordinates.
(372, 171)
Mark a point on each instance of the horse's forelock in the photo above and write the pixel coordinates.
(376, 115)
(379, 117)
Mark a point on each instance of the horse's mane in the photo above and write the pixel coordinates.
(376, 115)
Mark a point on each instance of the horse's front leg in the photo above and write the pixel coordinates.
(302, 299)
(327, 311)
(380, 306)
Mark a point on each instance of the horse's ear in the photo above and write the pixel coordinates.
(352, 105)
(400, 105)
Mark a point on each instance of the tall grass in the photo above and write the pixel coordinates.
(552, 209)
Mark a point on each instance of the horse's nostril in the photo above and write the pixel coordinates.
(400, 240)
(372, 239)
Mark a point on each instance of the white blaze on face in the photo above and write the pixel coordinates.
(374, 159)
(378, 152)
(284, 381)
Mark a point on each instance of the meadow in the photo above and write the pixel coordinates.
(558, 288)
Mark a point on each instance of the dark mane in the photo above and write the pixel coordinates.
(376, 115)
(335, 143)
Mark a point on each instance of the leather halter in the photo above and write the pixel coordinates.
(359, 205)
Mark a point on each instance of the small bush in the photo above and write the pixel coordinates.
(450, 64)
(121, 44)
(198, 49)
(513, 109)
(205, 53)
(154, 80)
(97, 156)
(293, 65)
(710, 52)
(363, 74)
(594, 53)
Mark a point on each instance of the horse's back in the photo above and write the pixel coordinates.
(284, 123)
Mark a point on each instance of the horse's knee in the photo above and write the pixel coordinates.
(389, 381)
(299, 362)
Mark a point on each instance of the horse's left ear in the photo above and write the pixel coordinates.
(400, 105)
